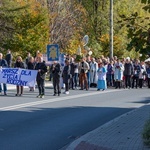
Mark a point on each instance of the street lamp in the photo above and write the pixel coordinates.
(111, 29)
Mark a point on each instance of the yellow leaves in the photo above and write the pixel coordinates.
(118, 44)
(33, 7)
(73, 46)
(104, 38)
(19, 37)
(32, 27)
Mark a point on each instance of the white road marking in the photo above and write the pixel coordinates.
(54, 100)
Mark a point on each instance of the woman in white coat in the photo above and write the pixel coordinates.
(93, 72)
(118, 73)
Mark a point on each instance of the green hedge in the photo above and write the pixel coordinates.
(146, 133)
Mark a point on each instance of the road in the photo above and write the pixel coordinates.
(30, 123)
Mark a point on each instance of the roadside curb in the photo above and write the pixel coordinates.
(84, 141)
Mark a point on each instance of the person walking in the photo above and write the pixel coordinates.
(142, 74)
(40, 78)
(101, 83)
(136, 72)
(72, 72)
(27, 58)
(76, 74)
(93, 73)
(128, 72)
(31, 66)
(88, 60)
(148, 75)
(110, 73)
(66, 76)
(3, 63)
(56, 72)
(83, 69)
(9, 58)
(118, 69)
(19, 64)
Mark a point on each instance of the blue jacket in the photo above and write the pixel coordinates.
(109, 69)
(148, 70)
(137, 70)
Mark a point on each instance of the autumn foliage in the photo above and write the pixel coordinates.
(31, 27)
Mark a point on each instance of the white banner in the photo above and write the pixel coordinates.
(18, 76)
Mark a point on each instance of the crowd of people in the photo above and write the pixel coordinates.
(100, 73)
(32, 63)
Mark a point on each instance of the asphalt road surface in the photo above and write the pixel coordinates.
(30, 123)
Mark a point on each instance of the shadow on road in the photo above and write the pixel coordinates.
(144, 101)
(38, 128)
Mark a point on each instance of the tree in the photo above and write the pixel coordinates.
(66, 23)
(30, 26)
(6, 22)
(30, 23)
(138, 29)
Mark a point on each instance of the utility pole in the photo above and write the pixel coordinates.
(111, 29)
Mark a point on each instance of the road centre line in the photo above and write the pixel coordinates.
(53, 100)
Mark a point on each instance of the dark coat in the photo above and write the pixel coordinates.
(148, 70)
(56, 71)
(128, 69)
(3, 63)
(19, 65)
(66, 74)
(30, 65)
(137, 70)
(8, 58)
(109, 68)
(42, 66)
(72, 68)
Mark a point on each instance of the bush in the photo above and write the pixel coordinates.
(146, 133)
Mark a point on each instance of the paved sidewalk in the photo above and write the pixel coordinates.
(122, 133)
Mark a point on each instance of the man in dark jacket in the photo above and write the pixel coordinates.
(66, 76)
(8, 58)
(128, 72)
(72, 72)
(55, 70)
(3, 63)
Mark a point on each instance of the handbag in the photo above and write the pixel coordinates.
(42, 76)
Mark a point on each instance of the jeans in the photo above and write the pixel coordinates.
(76, 79)
(135, 80)
(128, 81)
(88, 78)
(56, 81)
(41, 86)
(140, 83)
(50, 77)
(19, 89)
(109, 80)
(148, 81)
(72, 82)
(67, 86)
(4, 88)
